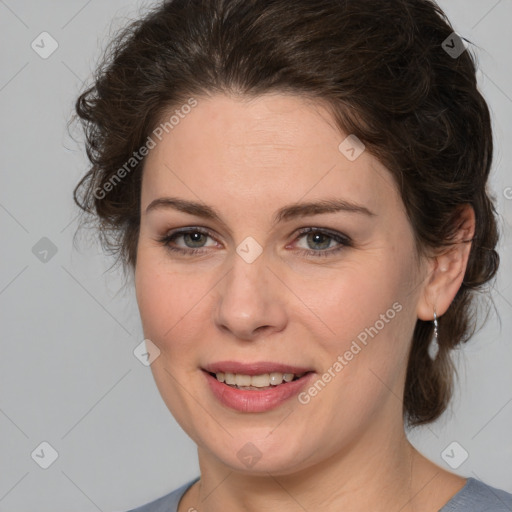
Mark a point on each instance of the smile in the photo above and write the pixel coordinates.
(252, 382)
(255, 387)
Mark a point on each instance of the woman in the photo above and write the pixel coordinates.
(299, 188)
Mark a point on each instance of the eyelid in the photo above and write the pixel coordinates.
(178, 232)
(336, 235)
(343, 240)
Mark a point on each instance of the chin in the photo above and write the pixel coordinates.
(262, 451)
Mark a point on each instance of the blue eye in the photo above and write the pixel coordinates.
(195, 240)
(193, 236)
(322, 239)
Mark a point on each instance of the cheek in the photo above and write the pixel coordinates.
(369, 315)
(166, 304)
(364, 362)
(156, 296)
(150, 291)
(352, 298)
(171, 303)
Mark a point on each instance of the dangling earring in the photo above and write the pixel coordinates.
(433, 348)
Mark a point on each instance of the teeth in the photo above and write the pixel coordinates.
(230, 378)
(256, 381)
(276, 378)
(260, 381)
(242, 380)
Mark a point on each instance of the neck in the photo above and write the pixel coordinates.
(378, 472)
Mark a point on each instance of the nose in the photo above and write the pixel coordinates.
(251, 301)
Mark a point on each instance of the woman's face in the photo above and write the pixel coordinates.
(249, 293)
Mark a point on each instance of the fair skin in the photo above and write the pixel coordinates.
(346, 448)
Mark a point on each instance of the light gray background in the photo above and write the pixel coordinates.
(68, 373)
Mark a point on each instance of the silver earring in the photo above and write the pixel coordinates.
(433, 348)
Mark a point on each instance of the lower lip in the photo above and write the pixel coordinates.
(255, 401)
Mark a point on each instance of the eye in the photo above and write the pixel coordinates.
(194, 239)
(320, 241)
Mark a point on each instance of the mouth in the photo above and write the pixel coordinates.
(255, 387)
(263, 381)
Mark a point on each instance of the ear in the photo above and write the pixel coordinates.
(446, 269)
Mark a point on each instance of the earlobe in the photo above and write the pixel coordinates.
(448, 269)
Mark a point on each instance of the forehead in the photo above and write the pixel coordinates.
(278, 147)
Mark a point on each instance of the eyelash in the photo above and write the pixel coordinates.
(343, 240)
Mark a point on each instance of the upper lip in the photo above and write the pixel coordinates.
(256, 368)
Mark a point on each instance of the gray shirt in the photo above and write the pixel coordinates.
(475, 496)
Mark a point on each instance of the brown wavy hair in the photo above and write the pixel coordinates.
(381, 69)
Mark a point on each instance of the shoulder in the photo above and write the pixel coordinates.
(167, 503)
(476, 496)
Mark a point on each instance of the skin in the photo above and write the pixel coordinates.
(346, 449)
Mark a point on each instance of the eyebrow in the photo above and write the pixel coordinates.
(286, 213)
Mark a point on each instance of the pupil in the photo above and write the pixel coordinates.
(196, 238)
(317, 239)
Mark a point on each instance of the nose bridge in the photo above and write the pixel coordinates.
(247, 299)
